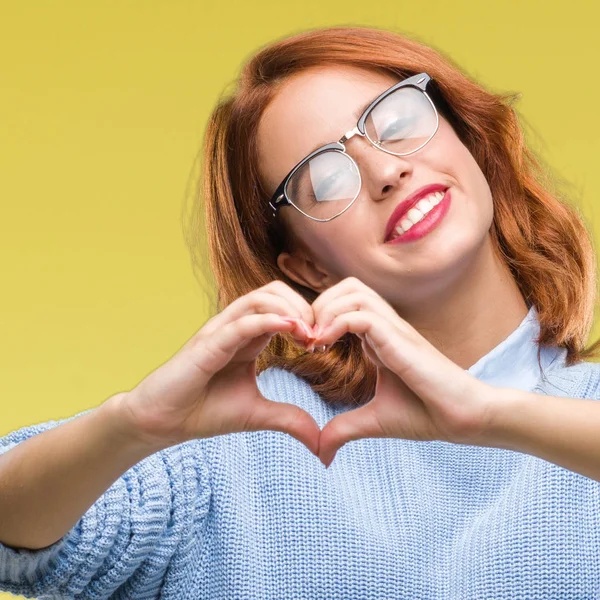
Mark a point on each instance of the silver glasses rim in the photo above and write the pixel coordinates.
(421, 80)
(342, 150)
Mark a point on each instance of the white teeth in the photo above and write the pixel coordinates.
(417, 212)
(404, 225)
(414, 215)
(425, 204)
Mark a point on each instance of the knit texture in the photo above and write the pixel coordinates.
(256, 515)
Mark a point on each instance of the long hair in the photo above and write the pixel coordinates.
(538, 233)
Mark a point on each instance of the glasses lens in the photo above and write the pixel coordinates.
(402, 122)
(324, 186)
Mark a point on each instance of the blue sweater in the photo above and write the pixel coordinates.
(256, 515)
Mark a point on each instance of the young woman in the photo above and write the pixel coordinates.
(364, 197)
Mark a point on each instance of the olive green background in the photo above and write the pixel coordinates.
(102, 110)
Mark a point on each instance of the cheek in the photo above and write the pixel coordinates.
(483, 194)
(473, 184)
(333, 247)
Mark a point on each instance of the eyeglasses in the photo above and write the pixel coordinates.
(326, 183)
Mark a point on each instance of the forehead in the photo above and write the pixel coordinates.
(311, 109)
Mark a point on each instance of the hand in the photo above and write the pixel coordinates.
(209, 387)
(420, 394)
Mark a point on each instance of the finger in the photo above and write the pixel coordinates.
(287, 418)
(212, 354)
(264, 301)
(302, 331)
(258, 302)
(345, 287)
(252, 349)
(352, 302)
(303, 308)
(395, 349)
(352, 425)
(371, 355)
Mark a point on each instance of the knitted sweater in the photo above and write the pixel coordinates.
(256, 515)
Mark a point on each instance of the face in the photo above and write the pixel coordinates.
(317, 107)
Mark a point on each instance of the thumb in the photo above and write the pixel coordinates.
(287, 418)
(354, 424)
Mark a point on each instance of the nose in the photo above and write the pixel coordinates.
(381, 173)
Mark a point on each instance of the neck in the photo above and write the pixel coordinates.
(470, 316)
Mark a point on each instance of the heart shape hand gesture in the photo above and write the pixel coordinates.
(420, 394)
(209, 387)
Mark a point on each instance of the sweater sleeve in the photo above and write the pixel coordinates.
(127, 539)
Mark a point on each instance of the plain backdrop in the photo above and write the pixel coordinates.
(103, 106)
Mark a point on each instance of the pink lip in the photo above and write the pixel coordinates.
(408, 203)
(429, 222)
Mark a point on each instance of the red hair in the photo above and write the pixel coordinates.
(536, 231)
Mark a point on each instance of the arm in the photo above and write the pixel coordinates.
(563, 431)
(126, 539)
(48, 481)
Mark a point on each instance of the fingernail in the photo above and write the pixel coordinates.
(307, 330)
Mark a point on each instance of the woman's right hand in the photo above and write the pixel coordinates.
(209, 387)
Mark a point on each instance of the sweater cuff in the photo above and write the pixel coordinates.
(34, 569)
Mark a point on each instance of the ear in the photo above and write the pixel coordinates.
(302, 269)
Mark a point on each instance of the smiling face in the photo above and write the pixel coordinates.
(318, 106)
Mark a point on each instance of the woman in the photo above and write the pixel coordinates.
(452, 292)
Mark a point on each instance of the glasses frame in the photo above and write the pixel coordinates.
(280, 197)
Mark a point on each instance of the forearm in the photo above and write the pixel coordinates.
(563, 431)
(47, 482)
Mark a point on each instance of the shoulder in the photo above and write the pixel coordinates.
(581, 380)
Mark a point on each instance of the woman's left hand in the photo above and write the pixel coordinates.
(420, 394)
